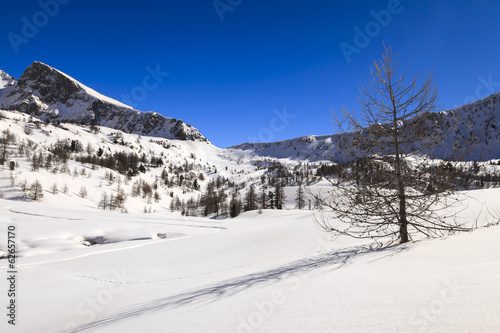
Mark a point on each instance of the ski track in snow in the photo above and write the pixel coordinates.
(12, 210)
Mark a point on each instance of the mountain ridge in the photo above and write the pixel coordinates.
(481, 118)
(48, 93)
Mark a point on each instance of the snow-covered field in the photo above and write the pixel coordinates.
(269, 272)
(81, 268)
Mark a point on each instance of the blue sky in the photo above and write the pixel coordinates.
(253, 70)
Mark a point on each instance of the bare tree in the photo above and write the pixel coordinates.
(119, 200)
(104, 202)
(388, 186)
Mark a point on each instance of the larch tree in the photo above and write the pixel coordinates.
(388, 185)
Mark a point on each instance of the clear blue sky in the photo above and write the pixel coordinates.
(227, 76)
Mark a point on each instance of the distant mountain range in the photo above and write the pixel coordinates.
(478, 121)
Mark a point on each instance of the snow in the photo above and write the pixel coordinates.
(94, 93)
(6, 81)
(85, 269)
(270, 272)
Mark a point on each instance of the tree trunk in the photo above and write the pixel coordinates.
(403, 222)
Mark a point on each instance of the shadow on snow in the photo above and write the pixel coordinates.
(333, 260)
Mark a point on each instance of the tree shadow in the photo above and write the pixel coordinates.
(205, 295)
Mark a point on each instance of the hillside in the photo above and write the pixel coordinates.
(479, 120)
(153, 174)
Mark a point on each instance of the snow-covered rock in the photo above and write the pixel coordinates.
(6, 81)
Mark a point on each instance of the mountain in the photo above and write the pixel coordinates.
(479, 120)
(48, 93)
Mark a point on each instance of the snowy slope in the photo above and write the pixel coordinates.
(202, 157)
(270, 272)
(183, 164)
(311, 147)
(480, 119)
(46, 92)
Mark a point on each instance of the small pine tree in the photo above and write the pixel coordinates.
(83, 192)
(24, 187)
(36, 191)
(271, 200)
(103, 203)
(53, 188)
(235, 206)
(300, 201)
(279, 195)
(120, 198)
(34, 163)
(12, 179)
(157, 196)
(263, 199)
(3, 150)
(251, 199)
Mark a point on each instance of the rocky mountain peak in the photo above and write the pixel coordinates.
(43, 78)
